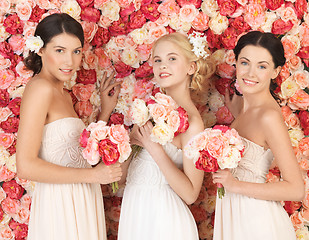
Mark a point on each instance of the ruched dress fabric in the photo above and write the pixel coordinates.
(239, 217)
(66, 211)
(150, 208)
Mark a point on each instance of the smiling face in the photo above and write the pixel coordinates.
(170, 66)
(255, 69)
(61, 57)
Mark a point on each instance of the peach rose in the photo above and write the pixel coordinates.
(5, 6)
(300, 99)
(294, 63)
(272, 177)
(90, 29)
(5, 112)
(285, 72)
(173, 120)
(6, 78)
(188, 13)
(104, 22)
(304, 163)
(6, 232)
(83, 92)
(303, 146)
(103, 60)
(124, 150)
(118, 134)
(2, 194)
(158, 112)
(100, 132)
(10, 206)
(23, 72)
(6, 139)
(200, 23)
(144, 51)
(6, 174)
(90, 60)
(254, 15)
(83, 108)
(22, 215)
(156, 32)
(297, 220)
(301, 78)
(100, 3)
(23, 10)
(168, 8)
(291, 45)
(165, 100)
(216, 146)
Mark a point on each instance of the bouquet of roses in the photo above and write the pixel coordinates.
(214, 148)
(107, 143)
(168, 118)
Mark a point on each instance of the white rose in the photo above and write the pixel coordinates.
(218, 23)
(139, 35)
(162, 134)
(11, 163)
(111, 10)
(210, 7)
(139, 112)
(215, 101)
(288, 88)
(296, 135)
(270, 17)
(72, 8)
(130, 57)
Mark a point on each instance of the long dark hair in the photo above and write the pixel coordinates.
(268, 41)
(50, 27)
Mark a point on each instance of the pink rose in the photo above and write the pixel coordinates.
(90, 14)
(303, 146)
(196, 3)
(216, 146)
(118, 134)
(13, 189)
(225, 70)
(10, 125)
(150, 11)
(13, 25)
(83, 108)
(86, 76)
(281, 27)
(10, 206)
(36, 14)
(184, 122)
(6, 233)
(274, 4)
(18, 43)
(101, 37)
(20, 230)
(14, 106)
(116, 118)
(166, 100)
(158, 112)
(104, 61)
(300, 99)
(222, 128)
(4, 97)
(222, 84)
(206, 162)
(6, 174)
(90, 29)
(90, 152)
(83, 139)
(142, 88)
(108, 151)
(300, 8)
(127, 11)
(12, 148)
(6, 50)
(1, 214)
(297, 220)
(6, 78)
(83, 92)
(239, 24)
(144, 51)
(200, 23)
(6, 139)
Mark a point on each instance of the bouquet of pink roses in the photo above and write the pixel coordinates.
(168, 118)
(214, 148)
(107, 143)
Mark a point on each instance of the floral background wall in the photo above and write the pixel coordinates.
(119, 35)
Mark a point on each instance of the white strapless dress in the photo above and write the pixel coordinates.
(66, 211)
(150, 208)
(239, 217)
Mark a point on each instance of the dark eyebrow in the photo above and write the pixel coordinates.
(258, 62)
(65, 48)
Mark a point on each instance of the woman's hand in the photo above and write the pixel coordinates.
(141, 136)
(109, 96)
(234, 104)
(107, 174)
(225, 177)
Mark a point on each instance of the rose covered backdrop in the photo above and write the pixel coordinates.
(118, 36)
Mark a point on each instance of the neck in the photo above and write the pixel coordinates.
(181, 94)
(256, 100)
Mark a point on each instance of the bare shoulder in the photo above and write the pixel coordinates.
(270, 116)
(39, 86)
(196, 126)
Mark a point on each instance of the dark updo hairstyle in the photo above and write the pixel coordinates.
(48, 28)
(265, 40)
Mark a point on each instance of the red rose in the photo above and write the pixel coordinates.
(206, 162)
(281, 27)
(83, 108)
(90, 14)
(125, 12)
(10, 125)
(213, 39)
(86, 76)
(74, 99)
(15, 59)
(85, 3)
(198, 212)
(239, 24)
(273, 4)
(101, 37)
(116, 118)
(137, 20)
(300, 6)
(13, 189)
(151, 11)
(196, 3)
(227, 7)
(291, 206)
(304, 121)
(14, 106)
(184, 123)
(13, 25)
(222, 128)
(4, 98)
(119, 27)
(83, 139)
(36, 14)
(155, 91)
(12, 148)
(122, 69)
(108, 151)
(20, 230)
(228, 38)
(222, 84)
(144, 71)
(304, 54)
(6, 50)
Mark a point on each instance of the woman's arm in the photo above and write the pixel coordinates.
(29, 165)
(187, 183)
(291, 188)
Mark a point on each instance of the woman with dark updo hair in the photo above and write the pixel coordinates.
(67, 202)
(251, 208)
